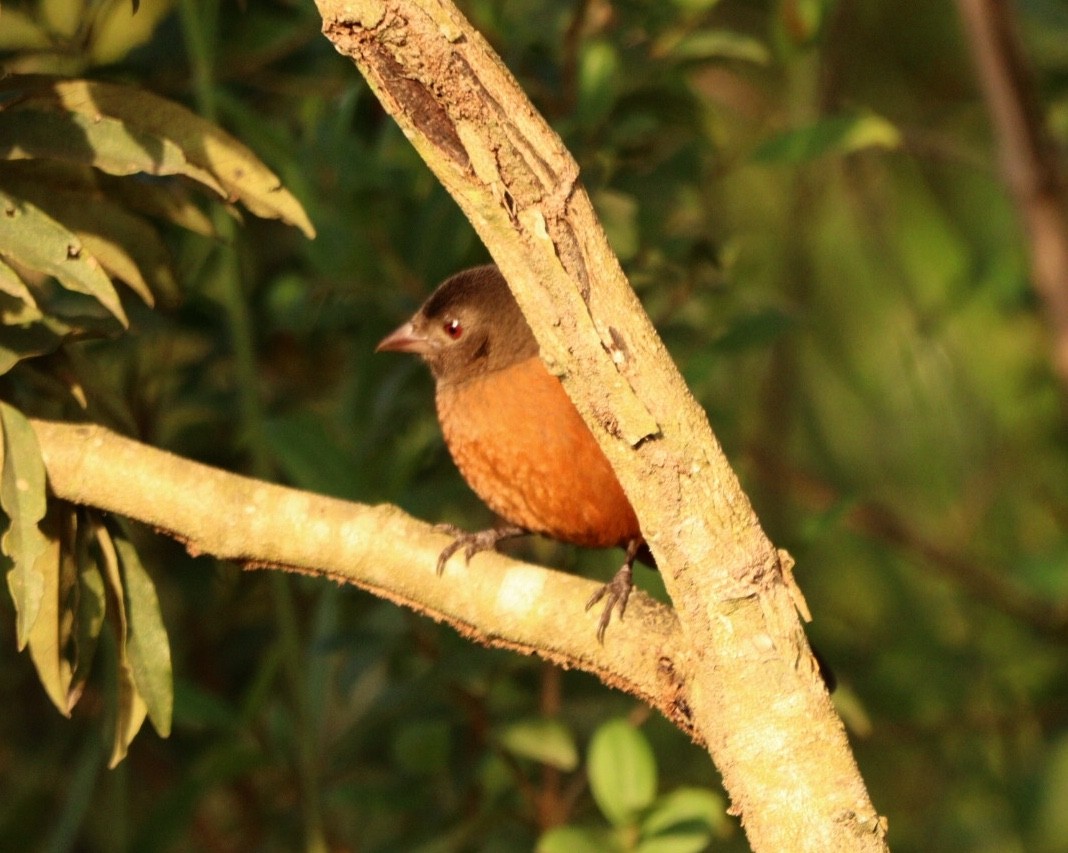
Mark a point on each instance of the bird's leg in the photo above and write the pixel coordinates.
(616, 591)
(472, 543)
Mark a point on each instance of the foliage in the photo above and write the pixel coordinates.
(806, 198)
(78, 210)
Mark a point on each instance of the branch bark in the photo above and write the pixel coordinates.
(497, 600)
(1029, 161)
(755, 697)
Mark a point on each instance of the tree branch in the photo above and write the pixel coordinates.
(496, 601)
(1029, 161)
(756, 699)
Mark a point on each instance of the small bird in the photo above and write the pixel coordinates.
(514, 433)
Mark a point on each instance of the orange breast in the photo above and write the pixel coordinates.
(522, 446)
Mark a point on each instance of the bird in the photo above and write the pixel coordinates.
(513, 432)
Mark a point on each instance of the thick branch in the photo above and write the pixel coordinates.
(1028, 157)
(496, 601)
(756, 698)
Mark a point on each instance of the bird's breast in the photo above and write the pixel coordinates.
(523, 447)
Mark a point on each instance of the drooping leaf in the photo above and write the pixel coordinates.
(169, 201)
(89, 609)
(21, 32)
(208, 154)
(131, 709)
(105, 143)
(540, 739)
(146, 641)
(13, 287)
(50, 636)
(21, 342)
(622, 771)
(127, 246)
(22, 497)
(842, 134)
(35, 240)
(125, 26)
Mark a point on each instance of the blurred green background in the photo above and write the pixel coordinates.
(806, 198)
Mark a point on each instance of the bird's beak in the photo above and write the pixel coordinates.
(404, 339)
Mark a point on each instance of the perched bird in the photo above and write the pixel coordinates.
(513, 432)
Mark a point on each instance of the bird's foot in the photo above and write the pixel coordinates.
(472, 543)
(615, 592)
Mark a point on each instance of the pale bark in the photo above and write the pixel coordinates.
(497, 600)
(753, 692)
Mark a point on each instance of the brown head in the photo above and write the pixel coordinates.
(470, 326)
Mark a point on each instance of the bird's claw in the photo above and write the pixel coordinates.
(616, 592)
(473, 543)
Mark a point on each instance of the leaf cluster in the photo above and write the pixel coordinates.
(91, 175)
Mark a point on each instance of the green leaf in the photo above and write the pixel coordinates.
(622, 771)
(33, 239)
(842, 134)
(105, 143)
(49, 640)
(683, 821)
(22, 497)
(131, 709)
(127, 246)
(149, 649)
(597, 81)
(21, 32)
(18, 305)
(89, 611)
(208, 154)
(720, 44)
(165, 200)
(21, 342)
(574, 839)
(540, 739)
(695, 5)
(619, 214)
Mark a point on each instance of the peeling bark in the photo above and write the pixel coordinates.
(753, 689)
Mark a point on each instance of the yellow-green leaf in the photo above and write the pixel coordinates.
(33, 239)
(108, 144)
(166, 200)
(146, 641)
(128, 247)
(22, 497)
(131, 709)
(622, 771)
(17, 305)
(718, 44)
(842, 134)
(205, 147)
(19, 31)
(49, 640)
(125, 26)
(21, 342)
(540, 739)
(89, 610)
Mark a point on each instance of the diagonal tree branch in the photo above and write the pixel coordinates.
(496, 601)
(755, 698)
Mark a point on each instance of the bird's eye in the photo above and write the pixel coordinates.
(453, 329)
